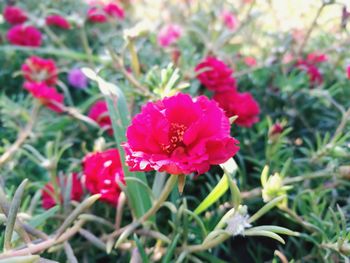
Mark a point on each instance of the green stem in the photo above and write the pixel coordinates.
(207, 245)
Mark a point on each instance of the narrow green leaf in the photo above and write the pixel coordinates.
(276, 229)
(266, 208)
(11, 219)
(76, 212)
(171, 249)
(213, 196)
(69, 253)
(252, 232)
(230, 167)
(141, 250)
(235, 193)
(119, 113)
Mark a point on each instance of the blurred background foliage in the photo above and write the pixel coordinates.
(308, 161)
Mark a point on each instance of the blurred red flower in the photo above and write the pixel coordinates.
(348, 72)
(22, 35)
(179, 135)
(37, 69)
(99, 113)
(14, 15)
(168, 35)
(215, 75)
(48, 96)
(100, 14)
(96, 15)
(315, 75)
(316, 57)
(102, 172)
(241, 104)
(114, 10)
(250, 61)
(229, 19)
(57, 21)
(48, 192)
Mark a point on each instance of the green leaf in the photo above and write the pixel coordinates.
(220, 189)
(266, 208)
(137, 196)
(141, 250)
(253, 232)
(171, 249)
(12, 215)
(76, 212)
(42, 218)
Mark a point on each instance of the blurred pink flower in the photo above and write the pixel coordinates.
(348, 71)
(58, 21)
(169, 34)
(77, 79)
(316, 57)
(22, 35)
(102, 171)
(229, 20)
(14, 15)
(215, 75)
(114, 10)
(179, 135)
(241, 104)
(37, 69)
(99, 113)
(48, 192)
(48, 96)
(310, 66)
(250, 61)
(96, 15)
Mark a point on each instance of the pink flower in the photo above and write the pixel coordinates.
(22, 35)
(96, 15)
(58, 21)
(77, 79)
(37, 69)
(229, 20)
(48, 96)
(14, 15)
(114, 10)
(241, 104)
(250, 61)
(348, 71)
(100, 13)
(276, 129)
(168, 35)
(99, 113)
(316, 57)
(179, 135)
(48, 192)
(215, 75)
(102, 172)
(313, 72)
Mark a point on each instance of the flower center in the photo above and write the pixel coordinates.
(175, 137)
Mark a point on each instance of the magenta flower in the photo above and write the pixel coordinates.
(179, 135)
(48, 96)
(169, 34)
(22, 35)
(238, 104)
(229, 20)
(14, 15)
(215, 75)
(57, 21)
